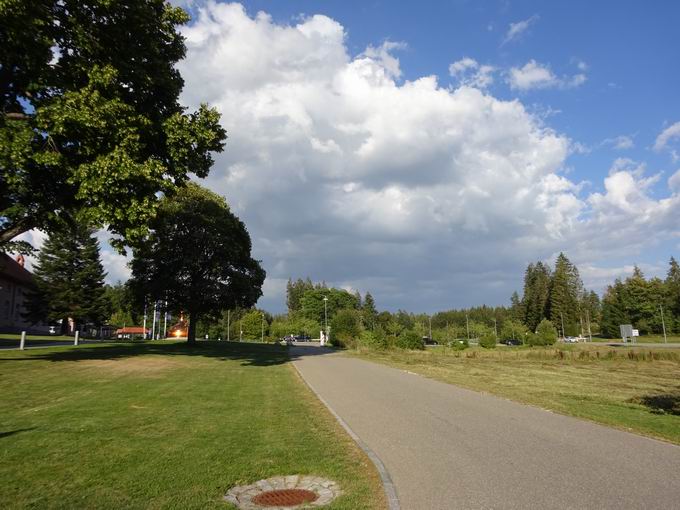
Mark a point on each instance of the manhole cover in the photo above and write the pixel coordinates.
(285, 497)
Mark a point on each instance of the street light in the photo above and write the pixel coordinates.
(325, 317)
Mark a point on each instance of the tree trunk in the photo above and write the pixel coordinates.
(191, 331)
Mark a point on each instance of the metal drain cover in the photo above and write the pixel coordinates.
(285, 497)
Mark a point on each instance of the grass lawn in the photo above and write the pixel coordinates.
(163, 425)
(646, 339)
(630, 388)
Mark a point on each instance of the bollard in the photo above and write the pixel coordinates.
(22, 343)
(75, 339)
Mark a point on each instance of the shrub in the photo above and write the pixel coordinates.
(409, 339)
(345, 328)
(459, 345)
(373, 339)
(546, 334)
(488, 341)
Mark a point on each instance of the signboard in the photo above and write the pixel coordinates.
(636, 332)
(626, 330)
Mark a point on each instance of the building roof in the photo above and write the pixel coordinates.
(132, 330)
(12, 270)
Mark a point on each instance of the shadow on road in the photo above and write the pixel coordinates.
(250, 354)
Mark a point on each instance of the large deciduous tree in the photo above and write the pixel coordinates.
(89, 114)
(197, 257)
(69, 280)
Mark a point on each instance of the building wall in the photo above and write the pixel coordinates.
(12, 297)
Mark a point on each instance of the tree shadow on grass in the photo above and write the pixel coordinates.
(661, 404)
(249, 354)
(12, 432)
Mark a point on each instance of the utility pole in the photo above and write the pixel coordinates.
(448, 336)
(590, 334)
(228, 325)
(240, 328)
(325, 317)
(663, 325)
(467, 326)
(262, 338)
(143, 327)
(430, 319)
(153, 328)
(495, 328)
(165, 320)
(562, 317)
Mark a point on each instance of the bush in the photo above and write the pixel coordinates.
(345, 328)
(373, 339)
(546, 334)
(459, 345)
(488, 341)
(409, 339)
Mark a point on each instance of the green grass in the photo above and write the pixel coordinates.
(635, 389)
(163, 425)
(646, 339)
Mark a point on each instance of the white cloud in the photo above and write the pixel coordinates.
(621, 142)
(667, 135)
(674, 182)
(470, 73)
(344, 173)
(534, 75)
(516, 30)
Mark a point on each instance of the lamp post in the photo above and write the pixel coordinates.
(663, 324)
(325, 317)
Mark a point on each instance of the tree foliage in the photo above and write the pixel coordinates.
(69, 280)
(197, 257)
(312, 303)
(345, 327)
(91, 122)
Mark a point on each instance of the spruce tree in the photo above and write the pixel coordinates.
(536, 290)
(69, 280)
(563, 302)
(369, 311)
(672, 284)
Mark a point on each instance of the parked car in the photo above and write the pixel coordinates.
(53, 330)
(570, 340)
(511, 341)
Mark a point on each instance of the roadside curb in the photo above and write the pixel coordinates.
(388, 484)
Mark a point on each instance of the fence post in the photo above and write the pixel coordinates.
(75, 339)
(22, 343)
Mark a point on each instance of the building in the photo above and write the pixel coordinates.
(15, 283)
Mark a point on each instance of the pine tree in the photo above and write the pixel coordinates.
(536, 291)
(516, 309)
(672, 290)
(613, 310)
(563, 301)
(369, 312)
(69, 280)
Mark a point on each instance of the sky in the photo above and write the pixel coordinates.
(426, 152)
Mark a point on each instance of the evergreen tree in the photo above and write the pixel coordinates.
(672, 307)
(69, 280)
(516, 309)
(536, 293)
(294, 292)
(613, 311)
(369, 312)
(563, 301)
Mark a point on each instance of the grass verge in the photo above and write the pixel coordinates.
(632, 388)
(163, 425)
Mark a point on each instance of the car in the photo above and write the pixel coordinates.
(511, 341)
(53, 330)
(570, 340)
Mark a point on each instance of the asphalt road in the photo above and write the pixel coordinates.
(446, 447)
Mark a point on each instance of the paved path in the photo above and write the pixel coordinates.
(447, 447)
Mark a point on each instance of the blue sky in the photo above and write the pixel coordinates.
(427, 151)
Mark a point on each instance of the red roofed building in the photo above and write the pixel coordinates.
(131, 332)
